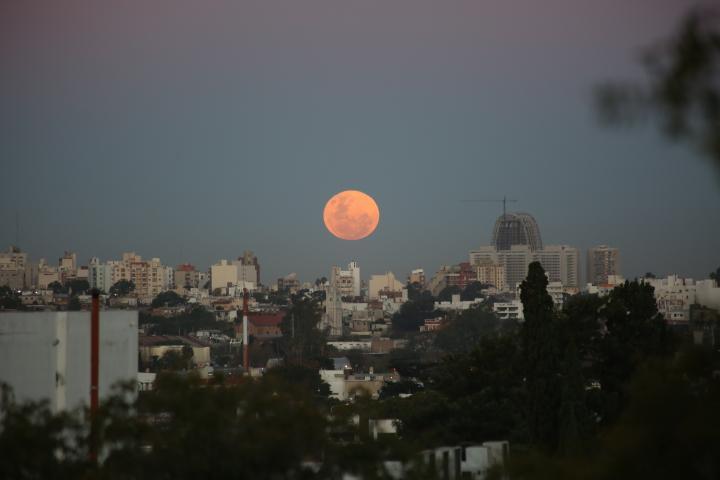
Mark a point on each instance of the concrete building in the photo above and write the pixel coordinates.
(417, 276)
(152, 348)
(289, 283)
(384, 284)
(509, 310)
(602, 261)
(333, 318)
(223, 275)
(456, 304)
(248, 258)
(466, 461)
(100, 275)
(346, 282)
(47, 274)
(46, 355)
(67, 265)
(559, 261)
(14, 268)
(344, 384)
(186, 277)
(246, 273)
(489, 273)
(675, 295)
(516, 229)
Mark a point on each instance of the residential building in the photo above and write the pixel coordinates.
(47, 274)
(67, 265)
(13, 268)
(100, 275)
(246, 273)
(346, 282)
(602, 261)
(456, 304)
(289, 283)
(333, 317)
(223, 275)
(153, 347)
(417, 276)
(559, 261)
(263, 325)
(383, 285)
(491, 273)
(512, 310)
(186, 277)
(248, 258)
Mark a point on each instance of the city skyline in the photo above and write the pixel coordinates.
(237, 139)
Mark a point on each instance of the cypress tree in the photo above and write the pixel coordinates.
(541, 359)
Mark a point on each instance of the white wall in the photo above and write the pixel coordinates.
(46, 355)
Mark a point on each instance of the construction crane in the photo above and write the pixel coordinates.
(503, 200)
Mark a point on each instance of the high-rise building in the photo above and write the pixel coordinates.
(384, 283)
(67, 265)
(249, 258)
(347, 282)
(186, 276)
(223, 275)
(13, 264)
(602, 261)
(516, 229)
(490, 273)
(559, 261)
(100, 275)
(333, 319)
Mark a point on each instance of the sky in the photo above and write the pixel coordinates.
(193, 130)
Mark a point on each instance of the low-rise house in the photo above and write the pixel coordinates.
(153, 347)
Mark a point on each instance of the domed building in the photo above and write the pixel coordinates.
(516, 229)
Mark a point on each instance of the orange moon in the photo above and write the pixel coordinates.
(351, 215)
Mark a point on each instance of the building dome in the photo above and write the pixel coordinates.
(516, 229)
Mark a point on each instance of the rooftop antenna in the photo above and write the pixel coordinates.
(503, 200)
(17, 229)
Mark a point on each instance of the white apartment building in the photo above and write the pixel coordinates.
(674, 296)
(509, 310)
(100, 275)
(456, 304)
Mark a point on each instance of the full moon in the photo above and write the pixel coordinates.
(351, 215)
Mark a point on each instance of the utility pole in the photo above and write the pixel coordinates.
(246, 351)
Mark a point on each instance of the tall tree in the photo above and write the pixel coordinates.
(303, 342)
(122, 288)
(633, 331)
(541, 359)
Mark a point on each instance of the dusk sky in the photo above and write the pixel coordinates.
(193, 130)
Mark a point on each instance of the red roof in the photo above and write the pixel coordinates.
(266, 319)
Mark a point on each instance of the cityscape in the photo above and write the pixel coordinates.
(468, 240)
